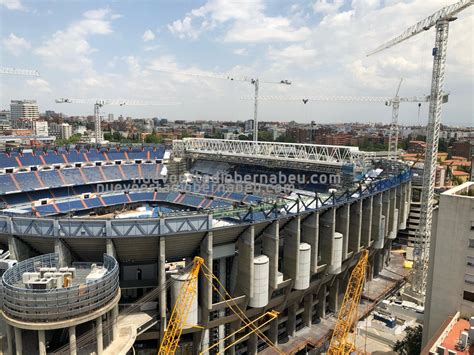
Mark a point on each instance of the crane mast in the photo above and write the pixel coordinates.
(440, 20)
(340, 345)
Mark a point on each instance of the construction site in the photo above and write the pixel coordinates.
(214, 246)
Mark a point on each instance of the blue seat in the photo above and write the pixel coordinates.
(50, 178)
(73, 205)
(27, 181)
(190, 200)
(137, 155)
(7, 184)
(141, 196)
(7, 161)
(92, 174)
(72, 176)
(29, 159)
(53, 158)
(45, 210)
(131, 171)
(94, 155)
(114, 155)
(75, 157)
(93, 202)
(112, 172)
(115, 199)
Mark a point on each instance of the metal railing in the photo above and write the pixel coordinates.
(56, 304)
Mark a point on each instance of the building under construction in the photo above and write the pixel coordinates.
(96, 242)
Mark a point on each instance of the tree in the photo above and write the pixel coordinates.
(411, 343)
(152, 138)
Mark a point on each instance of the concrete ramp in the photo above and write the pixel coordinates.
(129, 326)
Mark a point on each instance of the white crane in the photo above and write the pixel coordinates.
(15, 71)
(394, 102)
(254, 81)
(98, 103)
(440, 20)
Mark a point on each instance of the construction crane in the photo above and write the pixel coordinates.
(340, 344)
(394, 102)
(15, 71)
(253, 81)
(184, 300)
(440, 20)
(181, 308)
(98, 103)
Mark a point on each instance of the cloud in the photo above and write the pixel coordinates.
(69, 49)
(39, 84)
(12, 4)
(16, 45)
(148, 36)
(327, 6)
(248, 23)
(240, 51)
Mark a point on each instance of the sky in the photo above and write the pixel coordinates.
(136, 50)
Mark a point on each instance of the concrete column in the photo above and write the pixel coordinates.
(10, 339)
(273, 331)
(342, 226)
(72, 340)
(376, 216)
(115, 313)
(291, 248)
(161, 284)
(322, 301)
(18, 250)
(41, 342)
(391, 217)
(308, 308)
(355, 224)
(63, 251)
(378, 263)
(310, 235)
(291, 323)
(386, 209)
(252, 344)
(327, 225)
(110, 248)
(246, 246)
(18, 341)
(366, 223)
(399, 196)
(334, 296)
(99, 335)
(270, 245)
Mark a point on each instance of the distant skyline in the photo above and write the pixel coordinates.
(116, 49)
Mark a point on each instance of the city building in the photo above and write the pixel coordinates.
(450, 286)
(66, 131)
(23, 113)
(40, 128)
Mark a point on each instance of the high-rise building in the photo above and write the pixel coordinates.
(40, 128)
(23, 113)
(451, 277)
(66, 131)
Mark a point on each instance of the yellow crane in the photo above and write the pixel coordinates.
(340, 345)
(185, 298)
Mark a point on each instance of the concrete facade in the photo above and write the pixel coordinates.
(450, 287)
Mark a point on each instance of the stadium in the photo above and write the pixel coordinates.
(280, 224)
